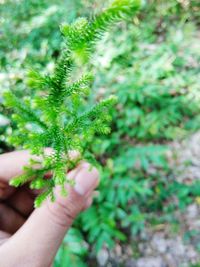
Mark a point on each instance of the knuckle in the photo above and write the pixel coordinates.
(63, 213)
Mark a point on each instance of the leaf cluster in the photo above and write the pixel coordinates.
(58, 115)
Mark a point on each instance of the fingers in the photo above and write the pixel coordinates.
(10, 220)
(22, 202)
(11, 164)
(40, 237)
(5, 190)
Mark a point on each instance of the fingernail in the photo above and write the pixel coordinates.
(86, 180)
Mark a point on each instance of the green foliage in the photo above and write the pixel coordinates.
(151, 64)
(155, 85)
(81, 35)
(57, 116)
(72, 250)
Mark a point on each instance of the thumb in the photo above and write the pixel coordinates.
(38, 240)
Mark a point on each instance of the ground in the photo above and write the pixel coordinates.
(162, 247)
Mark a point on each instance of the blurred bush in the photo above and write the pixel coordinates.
(152, 64)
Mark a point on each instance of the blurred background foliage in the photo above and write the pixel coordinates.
(151, 63)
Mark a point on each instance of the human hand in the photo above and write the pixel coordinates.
(28, 237)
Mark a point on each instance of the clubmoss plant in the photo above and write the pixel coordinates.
(57, 115)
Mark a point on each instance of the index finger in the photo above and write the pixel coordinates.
(12, 163)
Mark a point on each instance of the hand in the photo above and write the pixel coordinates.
(28, 237)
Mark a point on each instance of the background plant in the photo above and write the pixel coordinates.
(151, 63)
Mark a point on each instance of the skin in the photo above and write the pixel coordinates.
(31, 238)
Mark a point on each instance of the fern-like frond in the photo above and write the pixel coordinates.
(21, 108)
(57, 116)
(80, 86)
(97, 111)
(82, 35)
(37, 81)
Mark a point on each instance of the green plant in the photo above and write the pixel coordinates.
(72, 250)
(58, 115)
(151, 65)
(154, 85)
(195, 265)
